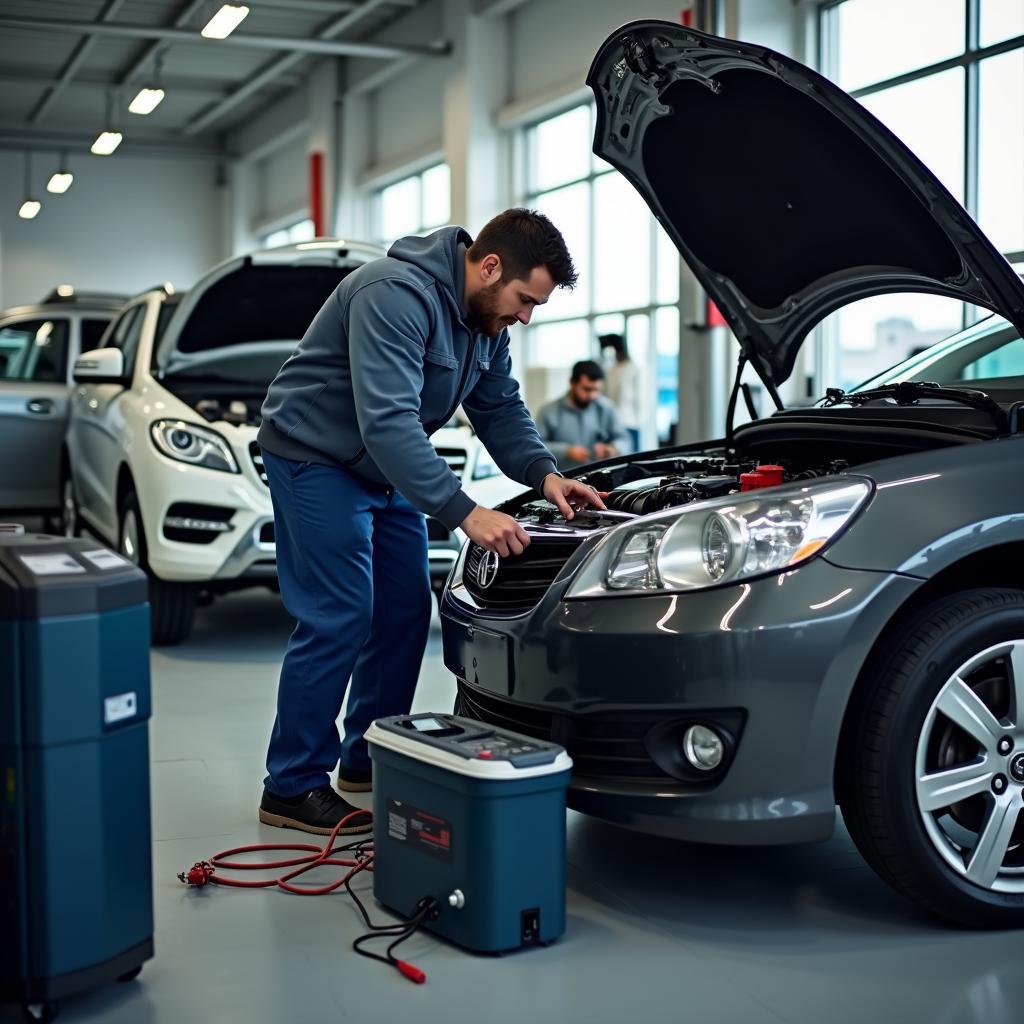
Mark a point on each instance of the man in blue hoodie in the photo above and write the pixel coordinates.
(396, 348)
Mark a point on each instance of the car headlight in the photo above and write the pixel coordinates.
(721, 541)
(193, 444)
(455, 579)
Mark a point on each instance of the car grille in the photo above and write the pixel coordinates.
(456, 459)
(607, 746)
(257, 460)
(436, 530)
(522, 580)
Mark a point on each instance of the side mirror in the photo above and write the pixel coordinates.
(100, 366)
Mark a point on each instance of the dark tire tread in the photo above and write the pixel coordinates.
(869, 817)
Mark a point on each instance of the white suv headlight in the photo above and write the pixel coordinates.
(721, 541)
(193, 444)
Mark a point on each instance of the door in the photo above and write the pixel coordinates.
(93, 440)
(33, 411)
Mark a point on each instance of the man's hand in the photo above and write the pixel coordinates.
(495, 531)
(605, 451)
(566, 493)
(578, 453)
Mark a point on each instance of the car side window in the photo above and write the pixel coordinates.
(34, 350)
(1005, 361)
(91, 331)
(126, 334)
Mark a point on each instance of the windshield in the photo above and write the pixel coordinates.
(989, 355)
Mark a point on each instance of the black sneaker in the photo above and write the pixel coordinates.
(317, 811)
(352, 781)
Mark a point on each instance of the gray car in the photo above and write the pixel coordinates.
(824, 606)
(38, 346)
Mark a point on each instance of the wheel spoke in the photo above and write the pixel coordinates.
(993, 842)
(959, 703)
(941, 789)
(1017, 681)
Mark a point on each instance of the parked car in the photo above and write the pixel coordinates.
(38, 345)
(825, 605)
(161, 459)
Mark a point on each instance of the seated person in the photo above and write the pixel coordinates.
(582, 425)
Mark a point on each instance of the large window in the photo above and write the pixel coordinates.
(628, 269)
(300, 231)
(948, 78)
(413, 206)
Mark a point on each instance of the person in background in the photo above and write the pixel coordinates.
(582, 426)
(623, 386)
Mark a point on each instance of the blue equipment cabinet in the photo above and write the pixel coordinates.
(76, 903)
(473, 816)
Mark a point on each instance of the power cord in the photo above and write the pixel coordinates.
(205, 872)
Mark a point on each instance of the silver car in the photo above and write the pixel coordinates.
(38, 346)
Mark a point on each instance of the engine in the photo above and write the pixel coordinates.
(641, 487)
(236, 411)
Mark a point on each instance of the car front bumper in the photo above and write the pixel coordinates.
(774, 659)
(232, 516)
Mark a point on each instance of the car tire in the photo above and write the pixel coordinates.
(925, 781)
(172, 606)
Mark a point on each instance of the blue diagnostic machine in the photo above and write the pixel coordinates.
(473, 816)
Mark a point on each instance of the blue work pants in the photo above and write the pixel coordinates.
(352, 565)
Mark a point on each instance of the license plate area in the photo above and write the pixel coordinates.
(482, 658)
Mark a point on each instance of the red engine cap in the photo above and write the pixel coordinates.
(773, 475)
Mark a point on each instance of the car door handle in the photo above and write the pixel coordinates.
(40, 406)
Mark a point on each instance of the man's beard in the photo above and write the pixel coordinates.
(483, 311)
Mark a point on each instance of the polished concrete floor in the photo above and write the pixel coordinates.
(657, 930)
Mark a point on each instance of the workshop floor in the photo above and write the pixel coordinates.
(657, 930)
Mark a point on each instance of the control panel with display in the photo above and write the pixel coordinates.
(473, 740)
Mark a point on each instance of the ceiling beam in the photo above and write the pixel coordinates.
(275, 68)
(16, 137)
(80, 52)
(149, 52)
(185, 85)
(321, 45)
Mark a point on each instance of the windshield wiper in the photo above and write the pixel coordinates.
(910, 392)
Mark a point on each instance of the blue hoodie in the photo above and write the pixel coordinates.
(385, 363)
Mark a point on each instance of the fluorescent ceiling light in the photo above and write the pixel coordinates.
(146, 101)
(65, 291)
(225, 21)
(60, 182)
(106, 143)
(29, 209)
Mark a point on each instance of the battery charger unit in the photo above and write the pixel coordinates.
(474, 817)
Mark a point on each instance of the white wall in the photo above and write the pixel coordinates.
(126, 224)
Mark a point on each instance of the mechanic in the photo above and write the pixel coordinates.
(582, 425)
(398, 345)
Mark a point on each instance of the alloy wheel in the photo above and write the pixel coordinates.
(969, 782)
(130, 537)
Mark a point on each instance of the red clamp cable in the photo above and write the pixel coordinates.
(199, 874)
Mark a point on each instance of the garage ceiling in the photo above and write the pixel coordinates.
(62, 63)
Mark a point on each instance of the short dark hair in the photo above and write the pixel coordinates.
(616, 342)
(587, 368)
(525, 239)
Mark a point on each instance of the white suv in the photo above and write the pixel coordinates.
(161, 458)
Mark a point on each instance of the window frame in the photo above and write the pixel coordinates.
(16, 324)
(423, 225)
(825, 343)
(527, 194)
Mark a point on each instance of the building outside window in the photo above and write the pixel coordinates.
(301, 231)
(414, 205)
(628, 268)
(949, 82)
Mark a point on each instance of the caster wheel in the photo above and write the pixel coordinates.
(130, 975)
(39, 1013)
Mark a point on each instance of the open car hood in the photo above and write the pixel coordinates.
(783, 194)
(267, 296)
